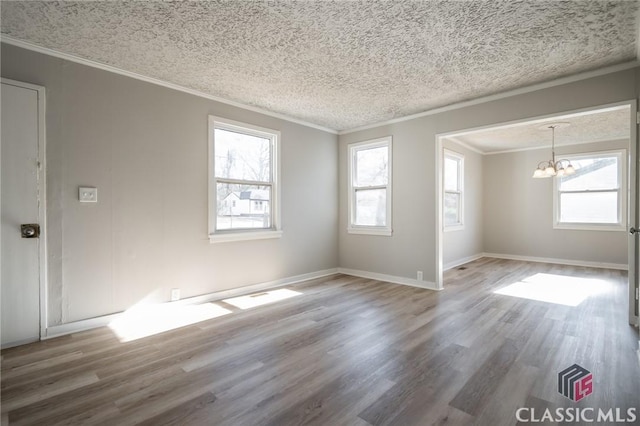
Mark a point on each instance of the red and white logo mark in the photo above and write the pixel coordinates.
(575, 382)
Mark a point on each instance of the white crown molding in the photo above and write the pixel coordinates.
(552, 83)
(522, 90)
(94, 64)
(457, 141)
(535, 148)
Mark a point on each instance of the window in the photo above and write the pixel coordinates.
(453, 191)
(594, 197)
(243, 181)
(370, 187)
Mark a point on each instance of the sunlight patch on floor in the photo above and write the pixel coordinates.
(262, 298)
(149, 319)
(558, 289)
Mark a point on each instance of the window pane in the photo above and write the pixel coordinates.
(241, 156)
(592, 173)
(371, 166)
(243, 206)
(371, 207)
(451, 174)
(599, 207)
(451, 209)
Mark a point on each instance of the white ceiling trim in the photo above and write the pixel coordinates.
(509, 93)
(455, 140)
(91, 63)
(540, 118)
(534, 148)
(527, 89)
(452, 135)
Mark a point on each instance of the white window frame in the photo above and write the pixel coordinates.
(459, 158)
(621, 225)
(227, 235)
(353, 149)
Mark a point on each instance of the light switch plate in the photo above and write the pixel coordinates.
(87, 195)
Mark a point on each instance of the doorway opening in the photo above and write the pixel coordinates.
(507, 214)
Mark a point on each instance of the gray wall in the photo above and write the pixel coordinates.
(459, 245)
(518, 211)
(145, 148)
(412, 246)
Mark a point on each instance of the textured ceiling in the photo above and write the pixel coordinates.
(594, 126)
(339, 64)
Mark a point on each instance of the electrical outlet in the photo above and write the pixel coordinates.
(175, 294)
(419, 275)
(87, 195)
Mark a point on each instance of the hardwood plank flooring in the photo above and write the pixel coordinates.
(347, 351)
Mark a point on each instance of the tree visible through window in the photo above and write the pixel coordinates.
(244, 176)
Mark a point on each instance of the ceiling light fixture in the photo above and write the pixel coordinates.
(552, 167)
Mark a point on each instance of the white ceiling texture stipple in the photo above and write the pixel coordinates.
(338, 64)
(607, 124)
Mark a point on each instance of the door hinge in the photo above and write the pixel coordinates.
(638, 117)
(637, 293)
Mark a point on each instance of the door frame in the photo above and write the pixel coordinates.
(632, 213)
(42, 197)
(633, 186)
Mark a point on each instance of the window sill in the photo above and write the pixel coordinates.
(385, 232)
(453, 228)
(589, 227)
(225, 237)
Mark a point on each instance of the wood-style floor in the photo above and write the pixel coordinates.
(348, 351)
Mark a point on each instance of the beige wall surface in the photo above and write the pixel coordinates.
(145, 148)
(412, 246)
(467, 242)
(518, 211)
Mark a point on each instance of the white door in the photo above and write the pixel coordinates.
(20, 185)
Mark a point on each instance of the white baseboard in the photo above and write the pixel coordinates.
(589, 264)
(453, 264)
(389, 278)
(86, 324)
(17, 343)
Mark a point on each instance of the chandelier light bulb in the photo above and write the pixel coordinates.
(539, 173)
(553, 167)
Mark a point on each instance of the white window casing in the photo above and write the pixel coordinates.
(370, 187)
(453, 190)
(596, 199)
(244, 192)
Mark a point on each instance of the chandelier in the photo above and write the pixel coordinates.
(552, 167)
